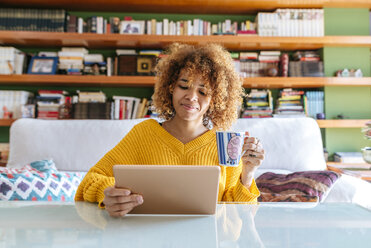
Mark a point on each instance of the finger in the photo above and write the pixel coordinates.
(124, 199)
(251, 140)
(256, 155)
(119, 213)
(113, 191)
(253, 154)
(249, 146)
(259, 149)
(122, 206)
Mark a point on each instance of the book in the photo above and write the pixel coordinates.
(126, 107)
(348, 157)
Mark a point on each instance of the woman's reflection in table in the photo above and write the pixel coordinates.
(236, 226)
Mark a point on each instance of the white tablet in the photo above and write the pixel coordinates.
(171, 189)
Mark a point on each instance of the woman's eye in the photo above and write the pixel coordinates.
(202, 93)
(183, 87)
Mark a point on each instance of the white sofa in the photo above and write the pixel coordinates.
(291, 144)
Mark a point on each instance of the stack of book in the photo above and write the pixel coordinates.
(269, 56)
(306, 64)
(254, 65)
(348, 157)
(71, 60)
(92, 105)
(290, 104)
(48, 103)
(12, 61)
(259, 104)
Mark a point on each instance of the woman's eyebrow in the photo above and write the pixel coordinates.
(184, 80)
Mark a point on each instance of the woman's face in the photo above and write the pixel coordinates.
(190, 100)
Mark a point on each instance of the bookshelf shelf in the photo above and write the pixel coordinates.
(321, 123)
(342, 123)
(147, 81)
(194, 6)
(304, 82)
(233, 43)
(77, 80)
(6, 122)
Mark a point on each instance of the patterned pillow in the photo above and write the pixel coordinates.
(38, 181)
(301, 186)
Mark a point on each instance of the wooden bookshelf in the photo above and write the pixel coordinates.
(231, 42)
(148, 81)
(304, 82)
(349, 123)
(362, 170)
(77, 80)
(190, 6)
(6, 122)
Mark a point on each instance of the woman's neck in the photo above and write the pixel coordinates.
(184, 131)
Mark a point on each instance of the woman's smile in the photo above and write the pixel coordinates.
(189, 107)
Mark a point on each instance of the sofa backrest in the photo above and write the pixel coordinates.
(76, 145)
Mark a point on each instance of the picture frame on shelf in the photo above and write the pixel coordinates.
(43, 65)
(132, 27)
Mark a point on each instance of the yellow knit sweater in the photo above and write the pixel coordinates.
(149, 143)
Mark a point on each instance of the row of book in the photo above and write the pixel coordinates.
(291, 22)
(282, 22)
(46, 20)
(275, 63)
(78, 61)
(197, 26)
(290, 103)
(57, 104)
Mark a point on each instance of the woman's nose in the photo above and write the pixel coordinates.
(192, 94)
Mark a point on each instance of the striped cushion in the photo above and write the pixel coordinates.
(298, 186)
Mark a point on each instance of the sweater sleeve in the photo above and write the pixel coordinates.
(100, 176)
(235, 191)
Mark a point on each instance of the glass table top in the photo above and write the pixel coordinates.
(34, 224)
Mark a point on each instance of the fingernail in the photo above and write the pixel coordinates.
(127, 192)
(139, 199)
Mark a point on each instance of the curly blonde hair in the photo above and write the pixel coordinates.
(215, 65)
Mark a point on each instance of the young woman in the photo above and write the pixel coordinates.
(197, 92)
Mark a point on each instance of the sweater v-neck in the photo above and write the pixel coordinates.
(174, 143)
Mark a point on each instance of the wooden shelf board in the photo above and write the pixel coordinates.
(304, 82)
(78, 80)
(234, 43)
(6, 122)
(364, 171)
(342, 123)
(189, 6)
(148, 81)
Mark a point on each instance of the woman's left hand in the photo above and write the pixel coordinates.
(253, 157)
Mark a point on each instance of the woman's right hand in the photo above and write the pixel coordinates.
(119, 201)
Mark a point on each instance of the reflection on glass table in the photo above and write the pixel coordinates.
(32, 224)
